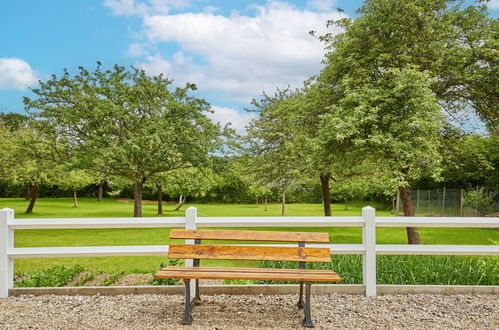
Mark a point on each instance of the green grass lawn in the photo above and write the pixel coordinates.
(89, 207)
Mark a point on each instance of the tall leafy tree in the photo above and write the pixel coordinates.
(19, 166)
(124, 123)
(393, 70)
(272, 157)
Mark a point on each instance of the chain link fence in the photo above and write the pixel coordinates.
(471, 202)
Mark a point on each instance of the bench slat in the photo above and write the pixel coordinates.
(249, 274)
(250, 270)
(228, 252)
(250, 235)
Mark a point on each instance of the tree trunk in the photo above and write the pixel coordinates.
(283, 205)
(257, 202)
(345, 201)
(75, 199)
(326, 198)
(406, 198)
(180, 203)
(100, 190)
(137, 199)
(160, 199)
(28, 193)
(33, 193)
(265, 202)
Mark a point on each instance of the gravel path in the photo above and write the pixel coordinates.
(251, 312)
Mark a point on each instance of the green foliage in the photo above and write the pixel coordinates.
(469, 159)
(75, 179)
(416, 270)
(167, 281)
(17, 164)
(454, 45)
(52, 277)
(14, 121)
(480, 200)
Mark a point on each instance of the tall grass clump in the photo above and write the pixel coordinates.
(417, 270)
(51, 277)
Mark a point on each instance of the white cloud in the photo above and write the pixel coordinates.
(16, 74)
(139, 49)
(322, 5)
(242, 55)
(493, 4)
(131, 7)
(236, 119)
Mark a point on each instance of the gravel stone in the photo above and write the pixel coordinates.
(335, 311)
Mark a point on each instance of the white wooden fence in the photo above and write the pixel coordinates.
(368, 221)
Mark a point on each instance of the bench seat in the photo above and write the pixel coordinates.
(224, 273)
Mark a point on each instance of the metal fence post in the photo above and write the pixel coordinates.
(369, 257)
(6, 242)
(190, 223)
(443, 203)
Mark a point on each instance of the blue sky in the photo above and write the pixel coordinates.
(233, 50)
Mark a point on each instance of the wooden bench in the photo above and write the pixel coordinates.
(197, 251)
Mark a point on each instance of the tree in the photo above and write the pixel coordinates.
(17, 164)
(397, 120)
(182, 183)
(394, 68)
(271, 156)
(74, 180)
(124, 123)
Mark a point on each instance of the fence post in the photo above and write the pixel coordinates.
(462, 202)
(443, 203)
(190, 223)
(369, 257)
(417, 203)
(6, 242)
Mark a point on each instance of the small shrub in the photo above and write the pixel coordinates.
(51, 277)
(167, 281)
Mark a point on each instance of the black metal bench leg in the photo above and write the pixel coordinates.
(307, 321)
(188, 304)
(197, 297)
(300, 301)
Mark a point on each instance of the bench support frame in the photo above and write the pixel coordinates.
(307, 321)
(301, 265)
(187, 319)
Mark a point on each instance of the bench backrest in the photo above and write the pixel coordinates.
(250, 235)
(235, 252)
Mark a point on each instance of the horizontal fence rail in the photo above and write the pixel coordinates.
(368, 249)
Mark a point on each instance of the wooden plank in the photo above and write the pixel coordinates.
(248, 270)
(250, 235)
(244, 274)
(233, 252)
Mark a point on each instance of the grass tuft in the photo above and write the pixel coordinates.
(52, 277)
